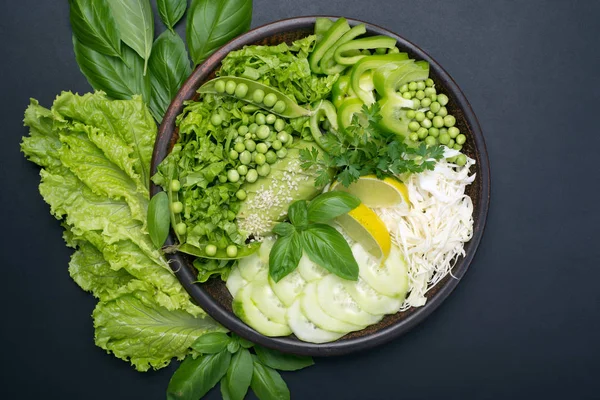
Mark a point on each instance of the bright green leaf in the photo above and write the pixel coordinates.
(284, 256)
(267, 384)
(297, 213)
(195, 377)
(330, 205)
(282, 361)
(159, 218)
(239, 374)
(171, 11)
(94, 26)
(327, 247)
(211, 343)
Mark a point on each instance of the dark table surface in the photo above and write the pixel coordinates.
(524, 323)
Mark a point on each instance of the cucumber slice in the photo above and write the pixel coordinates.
(335, 301)
(235, 281)
(309, 270)
(389, 279)
(288, 288)
(313, 311)
(246, 310)
(306, 330)
(250, 266)
(267, 302)
(371, 300)
(265, 249)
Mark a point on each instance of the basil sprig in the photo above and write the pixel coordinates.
(230, 360)
(308, 232)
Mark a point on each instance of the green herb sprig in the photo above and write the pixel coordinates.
(308, 232)
(366, 149)
(238, 365)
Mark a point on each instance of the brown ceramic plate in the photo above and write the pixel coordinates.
(214, 297)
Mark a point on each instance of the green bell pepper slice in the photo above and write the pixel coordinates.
(373, 42)
(326, 109)
(341, 90)
(393, 115)
(388, 79)
(332, 35)
(367, 64)
(321, 26)
(328, 65)
(346, 111)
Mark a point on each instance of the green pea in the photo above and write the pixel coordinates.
(241, 194)
(262, 148)
(220, 86)
(429, 114)
(271, 118)
(406, 95)
(404, 88)
(260, 119)
(451, 159)
(422, 133)
(457, 147)
(420, 95)
(430, 141)
(414, 136)
(276, 145)
(425, 102)
(177, 207)
(281, 153)
(461, 139)
(216, 119)
(438, 121)
(253, 128)
(443, 112)
(263, 132)
(429, 82)
(241, 90)
(181, 228)
(263, 170)
(461, 160)
(454, 132)
(270, 100)
(242, 129)
(412, 86)
(239, 147)
(290, 141)
(435, 132)
(426, 123)
(380, 50)
(420, 85)
(258, 95)
(449, 121)
(251, 176)
(253, 155)
(210, 250)
(245, 119)
(450, 143)
(279, 125)
(271, 157)
(260, 159)
(245, 157)
(435, 106)
(242, 170)
(429, 91)
(412, 93)
(279, 106)
(230, 87)
(410, 114)
(250, 144)
(413, 126)
(444, 138)
(233, 154)
(232, 250)
(175, 185)
(283, 137)
(442, 99)
(419, 116)
(433, 97)
(416, 103)
(233, 176)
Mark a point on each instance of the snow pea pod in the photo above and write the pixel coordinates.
(221, 254)
(255, 93)
(372, 42)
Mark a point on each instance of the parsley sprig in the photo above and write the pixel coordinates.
(366, 149)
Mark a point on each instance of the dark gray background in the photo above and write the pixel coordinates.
(524, 323)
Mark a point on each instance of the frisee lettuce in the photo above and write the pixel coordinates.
(95, 158)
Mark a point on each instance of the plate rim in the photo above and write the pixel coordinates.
(344, 346)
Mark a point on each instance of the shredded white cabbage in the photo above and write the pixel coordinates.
(432, 230)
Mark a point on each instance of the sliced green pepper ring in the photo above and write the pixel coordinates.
(388, 81)
(347, 110)
(328, 64)
(372, 42)
(322, 25)
(327, 110)
(329, 38)
(341, 90)
(369, 63)
(393, 115)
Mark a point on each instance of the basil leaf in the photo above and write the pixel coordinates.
(136, 25)
(243, 342)
(159, 219)
(328, 248)
(212, 23)
(284, 256)
(195, 377)
(112, 75)
(284, 229)
(94, 26)
(282, 361)
(211, 343)
(225, 389)
(233, 346)
(239, 374)
(298, 213)
(171, 11)
(267, 384)
(330, 205)
(169, 67)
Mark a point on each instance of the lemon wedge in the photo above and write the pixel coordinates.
(364, 226)
(375, 192)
